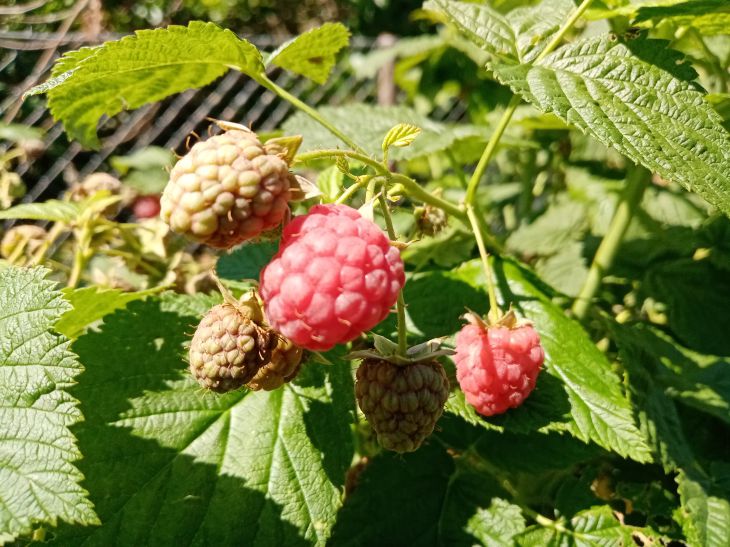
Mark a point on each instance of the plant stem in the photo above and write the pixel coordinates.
(400, 303)
(494, 311)
(333, 152)
(555, 42)
(350, 191)
(471, 189)
(311, 112)
(637, 182)
(488, 154)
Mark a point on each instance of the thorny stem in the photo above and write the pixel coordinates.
(488, 154)
(350, 190)
(400, 303)
(311, 112)
(629, 202)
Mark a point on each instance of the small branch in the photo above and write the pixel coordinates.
(637, 182)
(311, 112)
(400, 304)
(494, 311)
(490, 149)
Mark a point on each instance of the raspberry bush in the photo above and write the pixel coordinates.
(373, 327)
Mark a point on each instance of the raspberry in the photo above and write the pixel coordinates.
(334, 277)
(146, 206)
(497, 366)
(226, 190)
(283, 365)
(401, 402)
(430, 220)
(228, 347)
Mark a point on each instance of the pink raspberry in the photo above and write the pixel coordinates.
(335, 276)
(497, 366)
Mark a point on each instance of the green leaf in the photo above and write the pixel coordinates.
(591, 394)
(497, 524)
(142, 69)
(91, 304)
(17, 132)
(168, 464)
(246, 261)
(37, 449)
(634, 96)
(706, 506)
(146, 159)
(400, 136)
(697, 297)
(53, 210)
(709, 16)
(420, 499)
(603, 87)
(312, 54)
(330, 182)
(595, 526)
(368, 124)
(482, 25)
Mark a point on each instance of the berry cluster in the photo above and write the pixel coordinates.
(335, 276)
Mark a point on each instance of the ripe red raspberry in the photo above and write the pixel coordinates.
(497, 366)
(146, 207)
(335, 276)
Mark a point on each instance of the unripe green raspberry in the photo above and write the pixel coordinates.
(228, 347)
(283, 364)
(401, 402)
(226, 190)
(430, 220)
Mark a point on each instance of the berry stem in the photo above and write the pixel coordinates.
(411, 187)
(311, 112)
(636, 184)
(400, 303)
(495, 313)
(490, 149)
(471, 190)
(350, 190)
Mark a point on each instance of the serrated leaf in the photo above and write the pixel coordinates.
(169, 464)
(706, 506)
(246, 261)
(595, 526)
(596, 406)
(312, 54)
(89, 304)
(484, 26)
(53, 210)
(632, 95)
(497, 524)
(37, 449)
(400, 136)
(603, 87)
(141, 69)
(709, 16)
